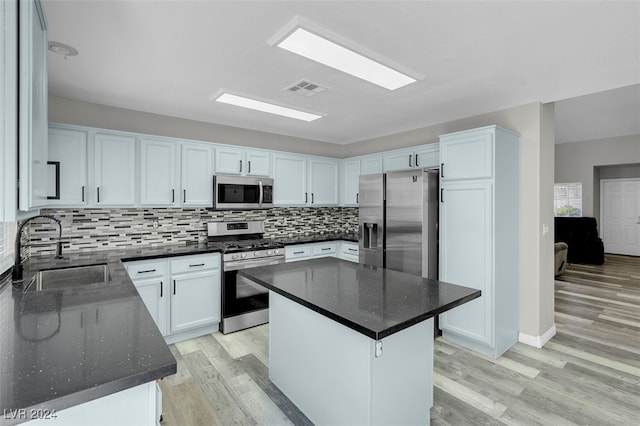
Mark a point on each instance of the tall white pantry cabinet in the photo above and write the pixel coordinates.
(480, 235)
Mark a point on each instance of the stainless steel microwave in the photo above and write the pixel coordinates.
(242, 193)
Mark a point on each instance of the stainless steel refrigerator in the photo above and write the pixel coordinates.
(398, 218)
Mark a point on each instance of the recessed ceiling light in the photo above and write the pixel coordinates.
(308, 40)
(62, 49)
(258, 105)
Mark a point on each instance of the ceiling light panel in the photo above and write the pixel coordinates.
(259, 105)
(309, 41)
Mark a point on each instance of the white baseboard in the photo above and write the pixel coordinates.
(537, 341)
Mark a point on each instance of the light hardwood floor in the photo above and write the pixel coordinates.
(587, 374)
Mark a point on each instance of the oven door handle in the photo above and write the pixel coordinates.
(246, 264)
(261, 194)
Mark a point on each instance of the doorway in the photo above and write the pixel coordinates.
(620, 216)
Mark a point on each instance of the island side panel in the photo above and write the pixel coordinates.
(321, 366)
(402, 377)
(332, 375)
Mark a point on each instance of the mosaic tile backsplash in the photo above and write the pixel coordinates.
(104, 229)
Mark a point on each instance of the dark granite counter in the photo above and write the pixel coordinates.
(317, 238)
(65, 346)
(374, 302)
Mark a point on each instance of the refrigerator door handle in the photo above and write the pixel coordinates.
(410, 155)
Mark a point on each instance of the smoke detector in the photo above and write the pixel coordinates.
(306, 88)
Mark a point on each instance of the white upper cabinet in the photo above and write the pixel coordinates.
(114, 170)
(158, 173)
(427, 156)
(197, 175)
(371, 164)
(323, 182)
(351, 169)
(420, 157)
(67, 167)
(289, 179)
(242, 162)
(258, 162)
(32, 105)
(306, 181)
(349, 179)
(467, 156)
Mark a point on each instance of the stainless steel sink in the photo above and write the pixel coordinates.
(69, 277)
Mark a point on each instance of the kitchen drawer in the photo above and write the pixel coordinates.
(146, 269)
(200, 262)
(298, 252)
(350, 249)
(325, 249)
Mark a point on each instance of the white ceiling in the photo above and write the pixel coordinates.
(169, 57)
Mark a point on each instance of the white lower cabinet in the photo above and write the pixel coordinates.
(182, 294)
(340, 249)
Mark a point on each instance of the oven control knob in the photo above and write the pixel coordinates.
(276, 251)
(256, 254)
(244, 254)
(269, 252)
(235, 256)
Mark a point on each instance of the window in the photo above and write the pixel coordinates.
(7, 235)
(567, 199)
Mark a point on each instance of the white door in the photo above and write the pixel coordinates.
(620, 216)
(229, 161)
(398, 160)
(290, 180)
(153, 292)
(193, 300)
(258, 163)
(158, 173)
(68, 148)
(114, 165)
(466, 256)
(323, 182)
(197, 175)
(350, 179)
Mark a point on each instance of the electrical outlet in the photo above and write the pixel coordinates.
(155, 224)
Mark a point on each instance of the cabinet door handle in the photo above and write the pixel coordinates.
(417, 160)
(357, 197)
(97, 310)
(174, 286)
(352, 249)
(184, 195)
(305, 198)
(83, 193)
(442, 195)
(442, 170)
(161, 288)
(98, 188)
(410, 155)
(248, 166)
(326, 248)
(298, 252)
(240, 166)
(312, 198)
(173, 195)
(146, 271)
(197, 264)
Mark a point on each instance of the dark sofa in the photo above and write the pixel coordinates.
(581, 235)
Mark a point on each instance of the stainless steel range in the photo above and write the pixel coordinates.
(244, 303)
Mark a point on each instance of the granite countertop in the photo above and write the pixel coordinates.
(62, 347)
(317, 238)
(374, 302)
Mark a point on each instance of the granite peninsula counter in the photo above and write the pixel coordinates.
(350, 344)
(64, 347)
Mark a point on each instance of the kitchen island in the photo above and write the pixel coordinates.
(350, 344)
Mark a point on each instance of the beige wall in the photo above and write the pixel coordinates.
(534, 122)
(68, 111)
(575, 162)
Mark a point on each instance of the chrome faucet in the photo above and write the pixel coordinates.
(16, 273)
